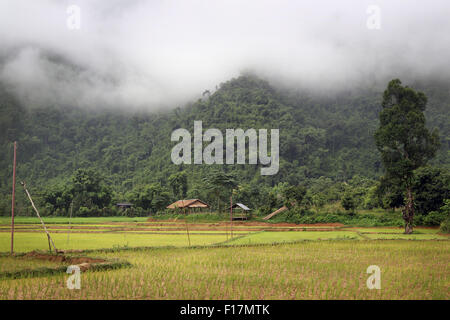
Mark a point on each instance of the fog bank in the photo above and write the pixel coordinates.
(158, 54)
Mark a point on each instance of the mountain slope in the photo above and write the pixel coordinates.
(331, 137)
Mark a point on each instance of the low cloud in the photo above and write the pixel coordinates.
(159, 54)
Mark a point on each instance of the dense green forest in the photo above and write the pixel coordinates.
(97, 157)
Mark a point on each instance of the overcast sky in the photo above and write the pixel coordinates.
(163, 53)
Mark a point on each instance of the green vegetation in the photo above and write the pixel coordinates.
(332, 180)
(404, 141)
(281, 237)
(29, 241)
(394, 230)
(445, 226)
(262, 261)
(445, 213)
(84, 162)
(39, 264)
(66, 220)
(339, 216)
(307, 270)
(410, 236)
(9, 264)
(348, 202)
(163, 233)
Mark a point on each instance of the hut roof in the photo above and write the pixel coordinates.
(240, 205)
(190, 203)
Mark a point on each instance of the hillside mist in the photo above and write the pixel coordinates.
(320, 136)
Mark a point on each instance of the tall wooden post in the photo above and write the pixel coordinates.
(13, 198)
(187, 231)
(70, 219)
(231, 216)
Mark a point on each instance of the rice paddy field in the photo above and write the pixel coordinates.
(179, 260)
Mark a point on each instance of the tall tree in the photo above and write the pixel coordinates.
(179, 184)
(293, 195)
(88, 191)
(219, 183)
(403, 140)
(348, 202)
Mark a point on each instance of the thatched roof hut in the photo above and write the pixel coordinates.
(190, 203)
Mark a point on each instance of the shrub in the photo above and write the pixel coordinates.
(445, 226)
(83, 212)
(434, 218)
(348, 202)
(293, 215)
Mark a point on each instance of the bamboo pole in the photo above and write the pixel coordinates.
(39, 216)
(70, 219)
(226, 230)
(13, 202)
(231, 216)
(187, 231)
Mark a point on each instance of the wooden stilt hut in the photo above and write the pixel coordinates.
(240, 211)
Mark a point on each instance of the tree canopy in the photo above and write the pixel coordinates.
(326, 143)
(405, 143)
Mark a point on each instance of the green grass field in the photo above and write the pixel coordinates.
(8, 264)
(307, 270)
(28, 241)
(280, 237)
(66, 220)
(418, 230)
(82, 236)
(298, 263)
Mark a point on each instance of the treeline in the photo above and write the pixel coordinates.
(326, 147)
(88, 195)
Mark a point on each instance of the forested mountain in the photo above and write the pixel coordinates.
(320, 138)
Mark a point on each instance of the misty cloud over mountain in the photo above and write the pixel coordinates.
(155, 54)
